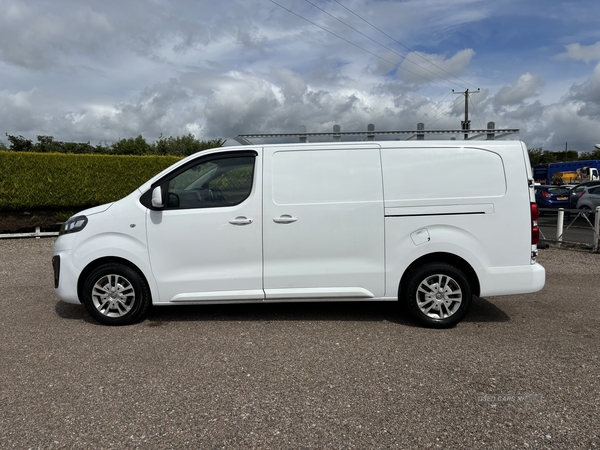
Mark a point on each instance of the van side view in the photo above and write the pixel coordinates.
(428, 223)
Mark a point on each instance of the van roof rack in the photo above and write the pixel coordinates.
(490, 133)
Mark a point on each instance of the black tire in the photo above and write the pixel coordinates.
(586, 211)
(115, 294)
(437, 295)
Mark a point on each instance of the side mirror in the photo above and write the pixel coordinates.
(157, 198)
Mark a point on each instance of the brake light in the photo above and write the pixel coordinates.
(581, 195)
(535, 213)
(535, 231)
(546, 194)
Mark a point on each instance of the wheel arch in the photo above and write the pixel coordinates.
(442, 257)
(107, 260)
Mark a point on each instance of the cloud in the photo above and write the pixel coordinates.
(102, 70)
(36, 39)
(584, 53)
(169, 108)
(247, 103)
(241, 103)
(18, 111)
(420, 67)
(525, 87)
(587, 95)
(564, 124)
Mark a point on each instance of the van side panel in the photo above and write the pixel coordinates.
(413, 176)
(467, 200)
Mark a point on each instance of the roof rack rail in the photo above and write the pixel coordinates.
(491, 133)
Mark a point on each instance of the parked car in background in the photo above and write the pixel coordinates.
(550, 196)
(589, 199)
(576, 192)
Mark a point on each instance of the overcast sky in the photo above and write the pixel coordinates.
(102, 70)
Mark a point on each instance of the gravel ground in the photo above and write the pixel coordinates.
(518, 372)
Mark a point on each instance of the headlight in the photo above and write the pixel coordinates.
(73, 225)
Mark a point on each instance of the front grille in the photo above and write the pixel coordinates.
(56, 268)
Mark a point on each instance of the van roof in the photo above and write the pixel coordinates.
(390, 144)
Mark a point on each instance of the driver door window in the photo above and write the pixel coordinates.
(213, 183)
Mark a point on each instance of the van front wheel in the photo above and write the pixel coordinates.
(438, 295)
(115, 294)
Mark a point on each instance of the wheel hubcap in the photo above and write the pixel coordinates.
(113, 295)
(439, 296)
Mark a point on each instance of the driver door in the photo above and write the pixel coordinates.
(206, 244)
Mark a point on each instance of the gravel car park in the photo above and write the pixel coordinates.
(519, 372)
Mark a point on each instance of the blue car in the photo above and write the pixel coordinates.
(550, 196)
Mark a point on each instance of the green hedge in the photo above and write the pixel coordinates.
(30, 181)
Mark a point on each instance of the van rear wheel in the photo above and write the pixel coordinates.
(115, 294)
(437, 295)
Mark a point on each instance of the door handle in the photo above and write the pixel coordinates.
(240, 220)
(286, 218)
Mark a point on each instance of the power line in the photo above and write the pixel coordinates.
(383, 45)
(400, 43)
(465, 123)
(434, 107)
(475, 112)
(453, 104)
(358, 46)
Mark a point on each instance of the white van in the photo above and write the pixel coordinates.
(431, 223)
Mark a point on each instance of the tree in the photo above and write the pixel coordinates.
(19, 143)
(184, 145)
(47, 144)
(131, 146)
(177, 146)
(590, 155)
(539, 156)
(567, 155)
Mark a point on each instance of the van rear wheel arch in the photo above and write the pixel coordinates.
(437, 295)
(441, 257)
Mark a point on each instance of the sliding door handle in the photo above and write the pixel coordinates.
(286, 218)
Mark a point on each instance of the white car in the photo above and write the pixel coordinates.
(589, 198)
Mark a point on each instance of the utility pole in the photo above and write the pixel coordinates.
(466, 124)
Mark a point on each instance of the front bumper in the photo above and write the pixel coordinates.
(65, 273)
